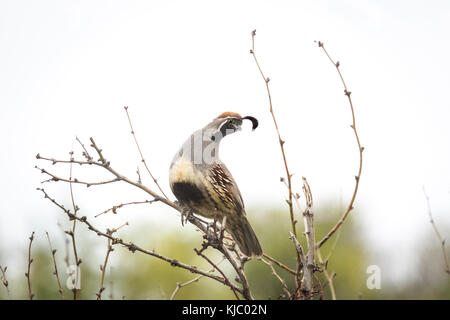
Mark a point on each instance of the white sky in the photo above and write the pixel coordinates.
(67, 68)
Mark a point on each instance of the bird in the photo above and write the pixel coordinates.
(202, 183)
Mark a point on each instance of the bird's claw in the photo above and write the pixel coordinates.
(186, 215)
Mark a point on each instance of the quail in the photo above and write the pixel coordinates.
(202, 183)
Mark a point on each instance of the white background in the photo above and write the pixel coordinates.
(67, 69)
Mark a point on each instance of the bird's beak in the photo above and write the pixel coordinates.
(253, 120)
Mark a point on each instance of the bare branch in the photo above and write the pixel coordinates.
(30, 261)
(53, 251)
(327, 275)
(299, 249)
(278, 263)
(103, 270)
(133, 248)
(105, 263)
(5, 280)
(283, 283)
(140, 153)
(75, 180)
(214, 238)
(196, 279)
(308, 219)
(66, 245)
(280, 140)
(320, 286)
(114, 208)
(360, 150)
(85, 152)
(438, 234)
(227, 281)
(72, 232)
(301, 261)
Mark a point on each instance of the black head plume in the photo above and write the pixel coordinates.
(253, 120)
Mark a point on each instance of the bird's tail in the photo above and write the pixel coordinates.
(245, 237)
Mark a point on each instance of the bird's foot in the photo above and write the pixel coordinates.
(186, 213)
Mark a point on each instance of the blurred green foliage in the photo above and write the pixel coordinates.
(138, 276)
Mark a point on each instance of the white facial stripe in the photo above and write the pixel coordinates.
(223, 123)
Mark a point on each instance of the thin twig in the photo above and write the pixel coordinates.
(66, 245)
(105, 263)
(199, 223)
(53, 251)
(30, 261)
(140, 153)
(5, 280)
(181, 285)
(114, 208)
(227, 281)
(320, 287)
(278, 263)
(360, 150)
(438, 234)
(55, 178)
(72, 232)
(103, 270)
(299, 249)
(105, 165)
(301, 261)
(280, 140)
(85, 152)
(133, 248)
(327, 275)
(239, 268)
(196, 279)
(333, 246)
(283, 283)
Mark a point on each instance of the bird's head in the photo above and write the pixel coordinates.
(228, 123)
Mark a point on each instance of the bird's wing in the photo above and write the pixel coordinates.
(226, 189)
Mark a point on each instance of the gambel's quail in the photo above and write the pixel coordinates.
(202, 183)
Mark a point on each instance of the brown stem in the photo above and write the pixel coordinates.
(140, 153)
(278, 263)
(114, 208)
(196, 279)
(30, 261)
(283, 283)
(103, 270)
(133, 248)
(360, 150)
(219, 270)
(53, 251)
(72, 233)
(327, 275)
(280, 141)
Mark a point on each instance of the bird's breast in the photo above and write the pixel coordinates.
(190, 187)
(182, 170)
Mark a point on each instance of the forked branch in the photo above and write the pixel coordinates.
(216, 239)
